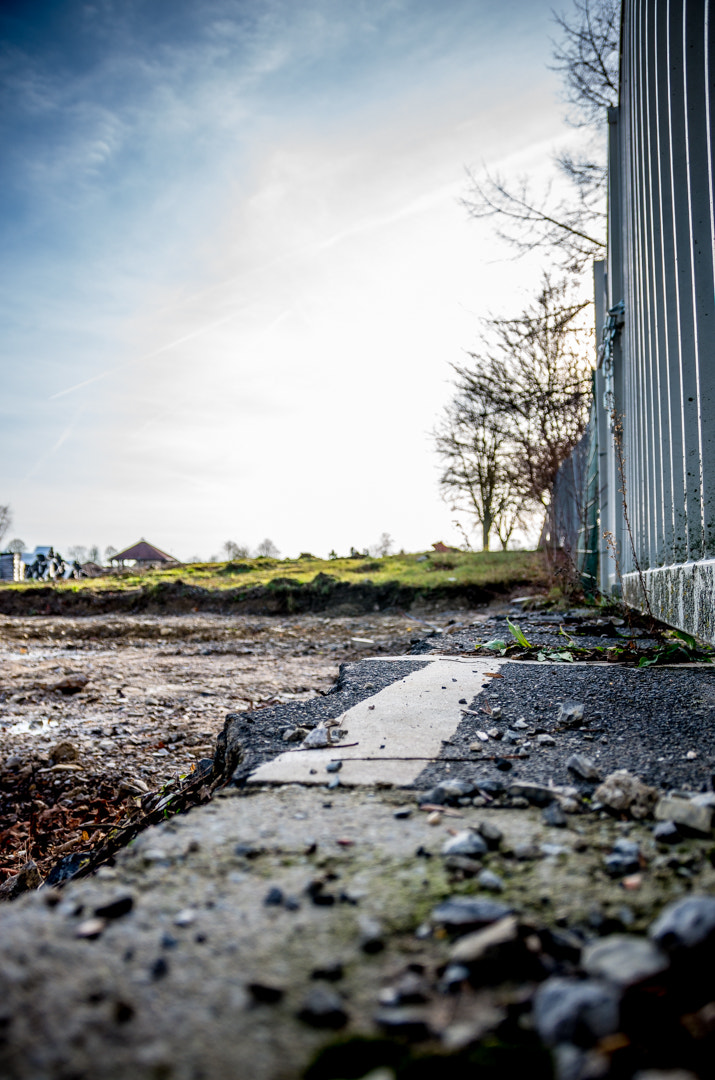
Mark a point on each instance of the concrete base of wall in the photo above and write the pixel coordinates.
(682, 596)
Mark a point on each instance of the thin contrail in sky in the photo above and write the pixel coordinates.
(147, 356)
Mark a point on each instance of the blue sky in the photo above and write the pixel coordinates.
(234, 269)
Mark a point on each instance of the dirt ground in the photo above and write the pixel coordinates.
(97, 712)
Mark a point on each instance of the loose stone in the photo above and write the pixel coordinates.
(622, 792)
(569, 1011)
(570, 714)
(583, 766)
(274, 897)
(402, 812)
(409, 1023)
(491, 833)
(490, 881)
(264, 994)
(667, 832)
(685, 812)
(334, 766)
(624, 960)
(323, 1008)
(461, 914)
(554, 816)
(686, 924)
(465, 842)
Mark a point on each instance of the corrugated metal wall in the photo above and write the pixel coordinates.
(656, 310)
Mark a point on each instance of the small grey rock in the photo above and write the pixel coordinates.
(537, 794)
(685, 812)
(570, 713)
(624, 858)
(334, 766)
(526, 852)
(578, 1012)
(491, 833)
(490, 881)
(545, 740)
(323, 1008)
(520, 724)
(371, 935)
(667, 832)
(623, 792)
(465, 842)
(463, 913)
(624, 959)
(686, 924)
(554, 816)
(583, 766)
(402, 812)
(411, 1024)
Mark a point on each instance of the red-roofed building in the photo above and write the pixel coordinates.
(142, 554)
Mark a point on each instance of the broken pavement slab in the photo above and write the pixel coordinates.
(392, 734)
(243, 908)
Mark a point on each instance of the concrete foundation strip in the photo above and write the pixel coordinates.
(408, 720)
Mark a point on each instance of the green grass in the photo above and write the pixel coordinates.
(422, 570)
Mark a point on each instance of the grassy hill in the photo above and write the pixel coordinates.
(280, 585)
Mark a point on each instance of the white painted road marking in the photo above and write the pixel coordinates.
(409, 719)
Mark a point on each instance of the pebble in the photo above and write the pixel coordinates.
(465, 842)
(332, 972)
(334, 783)
(545, 740)
(334, 766)
(263, 994)
(623, 859)
(503, 765)
(490, 881)
(115, 909)
(402, 812)
(371, 935)
(526, 852)
(91, 928)
(685, 812)
(577, 1012)
(667, 832)
(475, 946)
(408, 1023)
(520, 724)
(624, 959)
(583, 766)
(570, 713)
(538, 794)
(274, 897)
(323, 1008)
(465, 913)
(494, 733)
(554, 816)
(491, 833)
(686, 924)
(434, 817)
(185, 917)
(623, 792)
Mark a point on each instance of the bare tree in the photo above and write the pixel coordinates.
(78, 553)
(232, 550)
(5, 521)
(109, 551)
(520, 408)
(384, 546)
(17, 546)
(572, 226)
(476, 480)
(267, 549)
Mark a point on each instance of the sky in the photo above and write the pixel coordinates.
(234, 265)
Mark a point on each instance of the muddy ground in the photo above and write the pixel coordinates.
(97, 712)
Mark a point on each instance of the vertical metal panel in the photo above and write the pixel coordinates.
(661, 264)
